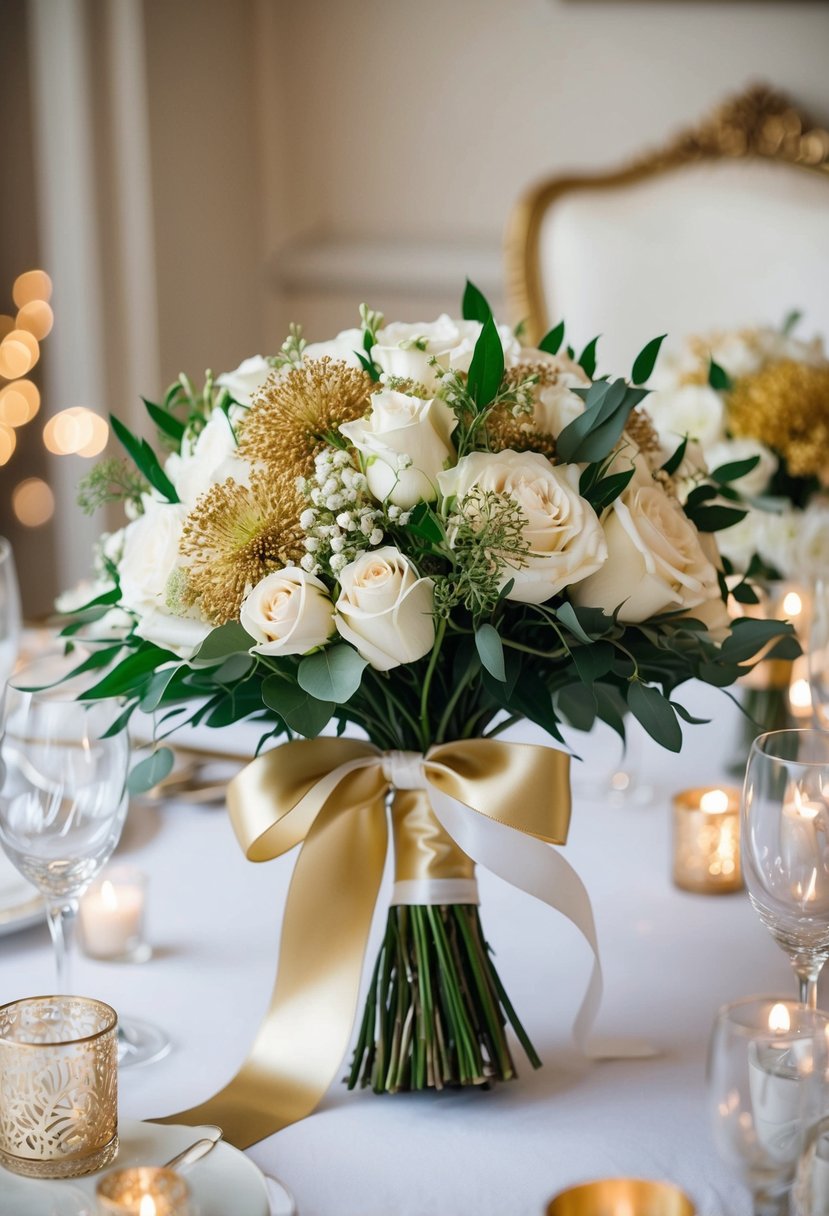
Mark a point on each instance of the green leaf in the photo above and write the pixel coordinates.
(790, 321)
(156, 688)
(578, 705)
(121, 722)
(587, 358)
(491, 651)
(145, 459)
(593, 435)
(645, 361)
(719, 378)
(687, 717)
(368, 365)
(424, 522)
(748, 635)
(475, 306)
(656, 714)
(167, 423)
(222, 641)
(487, 367)
(593, 662)
(715, 519)
(234, 668)
(744, 593)
(302, 712)
(567, 615)
(552, 340)
(332, 674)
(673, 462)
(735, 469)
(149, 772)
(129, 673)
(607, 489)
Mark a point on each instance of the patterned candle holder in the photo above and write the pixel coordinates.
(147, 1190)
(625, 1196)
(58, 1086)
(706, 844)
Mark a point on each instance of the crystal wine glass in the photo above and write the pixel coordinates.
(9, 613)
(818, 648)
(785, 846)
(810, 1193)
(767, 1085)
(62, 807)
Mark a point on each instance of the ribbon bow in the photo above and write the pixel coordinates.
(502, 803)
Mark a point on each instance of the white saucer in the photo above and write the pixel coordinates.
(224, 1182)
(21, 905)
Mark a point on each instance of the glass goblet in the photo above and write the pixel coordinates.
(818, 648)
(62, 807)
(810, 1193)
(785, 846)
(767, 1085)
(10, 625)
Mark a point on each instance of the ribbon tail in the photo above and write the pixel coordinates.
(537, 868)
(301, 1043)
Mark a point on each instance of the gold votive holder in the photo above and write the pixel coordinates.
(706, 840)
(58, 1086)
(146, 1190)
(622, 1197)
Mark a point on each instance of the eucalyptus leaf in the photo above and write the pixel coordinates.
(222, 641)
(491, 651)
(567, 615)
(645, 361)
(332, 674)
(593, 662)
(656, 714)
(147, 773)
(156, 688)
(303, 713)
(475, 306)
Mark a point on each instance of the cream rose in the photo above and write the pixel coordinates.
(406, 442)
(384, 610)
(210, 459)
(288, 612)
(246, 380)
(343, 348)
(655, 561)
(566, 542)
(150, 555)
(182, 635)
(407, 350)
(694, 410)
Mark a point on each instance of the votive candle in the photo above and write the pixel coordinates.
(112, 917)
(706, 844)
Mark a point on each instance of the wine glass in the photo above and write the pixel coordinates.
(767, 1085)
(63, 803)
(9, 613)
(818, 648)
(785, 846)
(810, 1193)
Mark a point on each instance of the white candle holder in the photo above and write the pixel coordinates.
(112, 917)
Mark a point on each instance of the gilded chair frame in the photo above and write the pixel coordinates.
(759, 123)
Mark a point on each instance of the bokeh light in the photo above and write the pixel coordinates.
(7, 324)
(33, 285)
(15, 357)
(19, 402)
(36, 318)
(8, 442)
(77, 431)
(33, 502)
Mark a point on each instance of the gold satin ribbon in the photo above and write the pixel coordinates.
(330, 796)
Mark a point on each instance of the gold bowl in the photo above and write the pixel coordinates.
(622, 1197)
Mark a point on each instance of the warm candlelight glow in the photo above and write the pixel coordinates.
(8, 443)
(108, 896)
(147, 1207)
(792, 604)
(33, 502)
(800, 695)
(37, 317)
(19, 402)
(779, 1020)
(77, 431)
(33, 285)
(714, 802)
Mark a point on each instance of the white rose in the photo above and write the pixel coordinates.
(741, 541)
(737, 354)
(180, 634)
(778, 539)
(343, 348)
(212, 458)
(565, 538)
(384, 610)
(729, 450)
(694, 410)
(406, 349)
(556, 405)
(151, 554)
(812, 548)
(403, 430)
(655, 560)
(288, 612)
(245, 382)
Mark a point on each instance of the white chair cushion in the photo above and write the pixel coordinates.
(715, 244)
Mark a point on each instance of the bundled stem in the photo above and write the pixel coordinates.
(436, 1010)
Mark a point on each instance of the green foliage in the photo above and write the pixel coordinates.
(111, 480)
(719, 378)
(487, 367)
(145, 459)
(592, 436)
(475, 306)
(552, 340)
(147, 773)
(673, 462)
(333, 674)
(491, 651)
(645, 361)
(487, 535)
(587, 358)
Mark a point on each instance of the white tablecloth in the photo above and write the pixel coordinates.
(670, 959)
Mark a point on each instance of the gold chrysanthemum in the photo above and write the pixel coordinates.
(506, 430)
(786, 407)
(642, 431)
(290, 421)
(234, 536)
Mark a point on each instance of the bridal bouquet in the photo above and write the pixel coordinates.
(758, 395)
(426, 532)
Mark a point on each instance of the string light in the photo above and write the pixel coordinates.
(33, 285)
(77, 431)
(19, 402)
(33, 502)
(15, 357)
(8, 442)
(37, 318)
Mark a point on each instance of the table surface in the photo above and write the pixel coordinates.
(670, 960)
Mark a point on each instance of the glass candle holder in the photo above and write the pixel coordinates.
(622, 1197)
(148, 1190)
(706, 843)
(111, 916)
(58, 1086)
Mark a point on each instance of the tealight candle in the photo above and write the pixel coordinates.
(147, 1190)
(706, 844)
(776, 1067)
(112, 917)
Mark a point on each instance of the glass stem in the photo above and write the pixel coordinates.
(807, 972)
(61, 918)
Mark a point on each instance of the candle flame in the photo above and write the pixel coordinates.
(110, 901)
(779, 1021)
(804, 808)
(792, 604)
(714, 802)
(800, 695)
(147, 1206)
